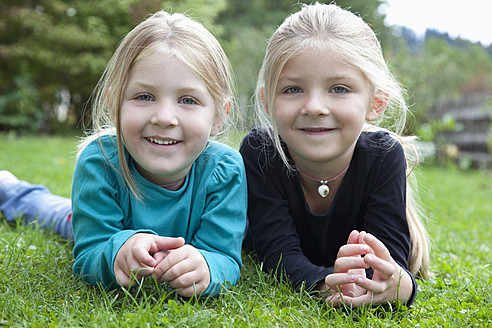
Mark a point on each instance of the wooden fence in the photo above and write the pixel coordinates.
(473, 130)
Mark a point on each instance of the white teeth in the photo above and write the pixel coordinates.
(162, 142)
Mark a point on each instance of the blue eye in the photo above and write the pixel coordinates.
(293, 90)
(188, 101)
(145, 97)
(339, 90)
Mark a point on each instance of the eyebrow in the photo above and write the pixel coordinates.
(185, 89)
(334, 78)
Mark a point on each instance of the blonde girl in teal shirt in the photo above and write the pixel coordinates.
(151, 194)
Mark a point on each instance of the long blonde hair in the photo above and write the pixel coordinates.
(321, 26)
(182, 37)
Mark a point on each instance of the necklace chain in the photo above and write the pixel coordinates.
(323, 189)
(322, 181)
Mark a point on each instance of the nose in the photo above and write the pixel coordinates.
(315, 104)
(164, 115)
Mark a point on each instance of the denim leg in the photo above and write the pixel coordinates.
(34, 203)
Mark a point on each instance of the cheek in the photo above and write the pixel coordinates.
(280, 123)
(282, 116)
(355, 114)
(200, 126)
(218, 120)
(126, 124)
(130, 124)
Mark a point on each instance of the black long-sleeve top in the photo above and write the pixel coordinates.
(289, 238)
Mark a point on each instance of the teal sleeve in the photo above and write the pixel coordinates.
(220, 236)
(97, 218)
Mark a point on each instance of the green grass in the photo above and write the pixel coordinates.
(37, 289)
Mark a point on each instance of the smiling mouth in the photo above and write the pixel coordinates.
(162, 142)
(316, 129)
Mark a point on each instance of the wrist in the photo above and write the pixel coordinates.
(405, 286)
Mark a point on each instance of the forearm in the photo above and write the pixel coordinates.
(224, 272)
(407, 289)
(94, 270)
(94, 256)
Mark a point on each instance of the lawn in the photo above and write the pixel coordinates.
(37, 289)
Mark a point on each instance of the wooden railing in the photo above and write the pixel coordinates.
(473, 132)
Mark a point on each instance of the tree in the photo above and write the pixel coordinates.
(53, 48)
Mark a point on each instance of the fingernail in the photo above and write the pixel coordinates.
(369, 237)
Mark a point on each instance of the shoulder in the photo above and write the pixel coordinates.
(258, 148)
(217, 152)
(97, 168)
(99, 155)
(379, 153)
(378, 144)
(105, 146)
(258, 138)
(220, 161)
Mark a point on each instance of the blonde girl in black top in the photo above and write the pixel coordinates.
(330, 196)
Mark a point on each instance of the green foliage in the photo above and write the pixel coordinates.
(431, 130)
(37, 289)
(56, 45)
(17, 106)
(52, 46)
(205, 11)
(438, 72)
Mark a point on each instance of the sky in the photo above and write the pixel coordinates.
(470, 19)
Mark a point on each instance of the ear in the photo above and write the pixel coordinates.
(263, 100)
(378, 106)
(227, 107)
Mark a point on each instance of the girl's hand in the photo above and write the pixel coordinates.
(135, 260)
(185, 269)
(389, 282)
(349, 265)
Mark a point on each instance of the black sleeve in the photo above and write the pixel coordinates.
(385, 215)
(272, 228)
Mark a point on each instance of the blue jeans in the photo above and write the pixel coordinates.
(36, 204)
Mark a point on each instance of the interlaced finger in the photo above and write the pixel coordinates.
(344, 264)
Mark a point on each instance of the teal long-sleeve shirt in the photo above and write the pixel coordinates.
(208, 211)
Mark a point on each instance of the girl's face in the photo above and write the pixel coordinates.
(167, 116)
(320, 107)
